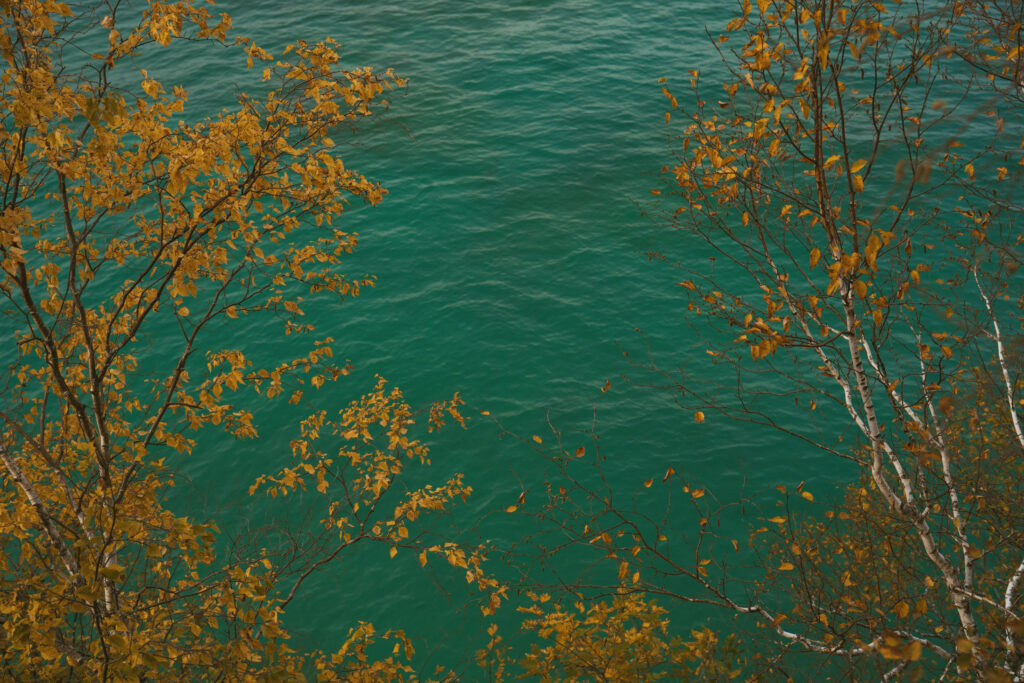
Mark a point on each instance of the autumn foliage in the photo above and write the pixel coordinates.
(854, 189)
(849, 203)
(846, 206)
(122, 213)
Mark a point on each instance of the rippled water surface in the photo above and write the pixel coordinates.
(510, 253)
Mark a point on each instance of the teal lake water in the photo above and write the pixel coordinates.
(510, 257)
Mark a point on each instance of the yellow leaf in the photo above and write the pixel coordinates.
(116, 642)
(778, 520)
(698, 416)
(423, 558)
(393, 551)
(858, 183)
(893, 648)
(786, 567)
(857, 165)
(580, 452)
(112, 572)
(537, 438)
(511, 508)
(807, 495)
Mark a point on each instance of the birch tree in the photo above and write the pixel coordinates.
(861, 174)
(127, 217)
(848, 203)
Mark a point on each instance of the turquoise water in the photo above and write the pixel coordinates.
(511, 266)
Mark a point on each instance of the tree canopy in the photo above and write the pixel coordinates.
(849, 204)
(123, 213)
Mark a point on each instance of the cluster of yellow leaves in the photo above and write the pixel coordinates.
(622, 639)
(352, 663)
(358, 480)
(875, 600)
(773, 159)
